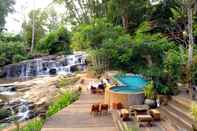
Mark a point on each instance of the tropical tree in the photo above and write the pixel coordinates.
(40, 26)
(55, 42)
(128, 13)
(84, 11)
(190, 7)
(6, 6)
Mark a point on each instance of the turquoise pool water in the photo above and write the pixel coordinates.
(130, 84)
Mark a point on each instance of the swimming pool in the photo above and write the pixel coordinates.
(129, 84)
(130, 90)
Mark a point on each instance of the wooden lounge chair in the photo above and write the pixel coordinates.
(155, 114)
(144, 119)
(124, 114)
(117, 105)
(104, 108)
(93, 90)
(95, 109)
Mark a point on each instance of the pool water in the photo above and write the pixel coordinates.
(130, 84)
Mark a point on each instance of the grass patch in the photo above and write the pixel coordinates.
(62, 101)
(63, 82)
(34, 125)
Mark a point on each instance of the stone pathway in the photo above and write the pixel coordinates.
(76, 117)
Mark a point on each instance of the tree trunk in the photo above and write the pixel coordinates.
(125, 21)
(33, 29)
(190, 49)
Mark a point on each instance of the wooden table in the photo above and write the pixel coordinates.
(139, 109)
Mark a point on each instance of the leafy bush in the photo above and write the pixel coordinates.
(4, 113)
(62, 101)
(194, 111)
(172, 63)
(33, 125)
(163, 89)
(107, 43)
(12, 52)
(54, 42)
(149, 90)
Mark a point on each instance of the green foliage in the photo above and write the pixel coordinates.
(194, 111)
(149, 90)
(132, 129)
(4, 113)
(62, 101)
(163, 89)
(67, 81)
(172, 63)
(33, 125)
(6, 6)
(83, 11)
(40, 26)
(8, 37)
(102, 39)
(156, 57)
(100, 61)
(128, 12)
(12, 52)
(56, 41)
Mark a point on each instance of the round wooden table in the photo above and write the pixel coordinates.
(139, 109)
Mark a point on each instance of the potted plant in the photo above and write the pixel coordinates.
(150, 94)
(194, 114)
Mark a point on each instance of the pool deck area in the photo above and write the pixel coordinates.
(77, 117)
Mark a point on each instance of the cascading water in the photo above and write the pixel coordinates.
(44, 66)
(23, 111)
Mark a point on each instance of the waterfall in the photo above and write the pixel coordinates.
(8, 76)
(43, 66)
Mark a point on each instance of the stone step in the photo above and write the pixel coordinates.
(176, 119)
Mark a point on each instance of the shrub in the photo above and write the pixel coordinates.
(163, 89)
(149, 90)
(12, 52)
(194, 111)
(106, 43)
(34, 125)
(54, 42)
(4, 113)
(62, 101)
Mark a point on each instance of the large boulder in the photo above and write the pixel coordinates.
(53, 71)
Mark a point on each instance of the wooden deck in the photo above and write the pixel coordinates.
(163, 125)
(77, 117)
